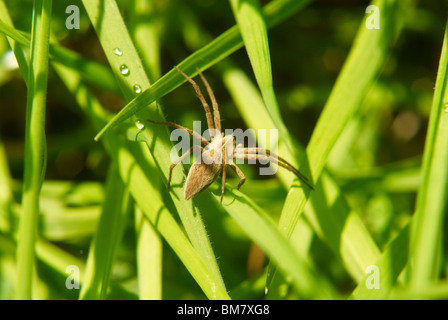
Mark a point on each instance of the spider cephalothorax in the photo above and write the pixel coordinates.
(219, 152)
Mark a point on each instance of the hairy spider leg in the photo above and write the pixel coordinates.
(208, 114)
(217, 116)
(224, 168)
(239, 173)
(277, 162)
(269, 152)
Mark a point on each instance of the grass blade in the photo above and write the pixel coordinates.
(149, 258)
(253, 30)
(18, 52)
(136, 175)
(264, 232)
(363, 63)
(107, 21)
(34, 146)
(433, 192)
(390, 264)
(107, 238)
(329, 214)
(145, 32)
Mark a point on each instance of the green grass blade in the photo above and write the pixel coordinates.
(107, 238)
(390, 264)
(117, 45)
(6, 194)
(135, 171)
(215, 51)
(363, 63)
(342, 229)
(431, 291)
(108, 23)
(433, 192)
(136, 176)
(252, 26)
(145, 32)
(5, 20)
(149, 258)
(257, 224)
(34, 146)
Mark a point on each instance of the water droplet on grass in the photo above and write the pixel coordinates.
(137, 89)
(118, 52)
(124, 70)
(139, 125)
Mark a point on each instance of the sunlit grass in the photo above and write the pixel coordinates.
(275, 238)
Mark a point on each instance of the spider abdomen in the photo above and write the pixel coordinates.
(200, 176)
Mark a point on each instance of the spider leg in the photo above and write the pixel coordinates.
(275, 156)
(272, 154)
(283, 164)
(174, 125)
(182, 157)
(216, 114)
(201, 97)
(224, 168)
(239, 173)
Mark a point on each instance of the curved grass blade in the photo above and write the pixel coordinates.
(35, 149)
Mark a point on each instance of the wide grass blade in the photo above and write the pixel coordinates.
(35, 154)
(146, 33)
(433, 193)
(135, 170)
(121, 53)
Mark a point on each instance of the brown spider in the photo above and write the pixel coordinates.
(204, 171)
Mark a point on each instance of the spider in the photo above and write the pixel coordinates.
(218, 152)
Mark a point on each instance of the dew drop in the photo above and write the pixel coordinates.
(139, 125)
(137, 89)
(124, 70)
(446, 107)
(118, 52)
